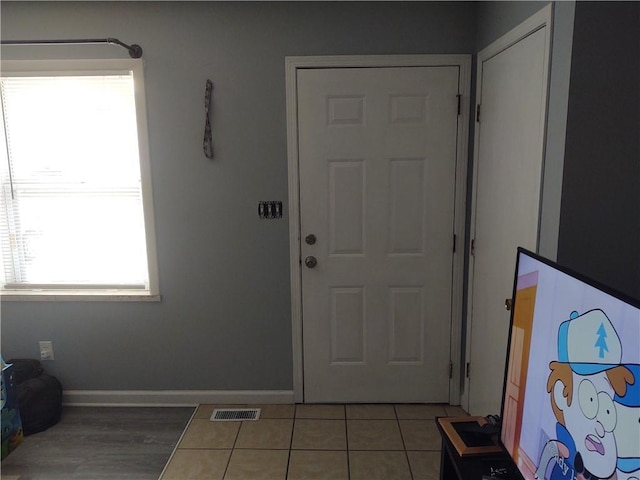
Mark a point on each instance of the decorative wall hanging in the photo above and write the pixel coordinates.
(208, 140)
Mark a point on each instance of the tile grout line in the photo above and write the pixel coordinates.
(233, 447)
(404, 445)
(346, 434)
(293, 429)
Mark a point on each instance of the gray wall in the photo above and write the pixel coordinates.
(224, 322)
(600, 217)
(497, 18)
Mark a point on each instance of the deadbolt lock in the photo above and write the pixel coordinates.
(310, 239)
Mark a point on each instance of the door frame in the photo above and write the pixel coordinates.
(541, 19)
(292, 64)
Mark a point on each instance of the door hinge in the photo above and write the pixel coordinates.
(468, 369)
(450, 369)
(478, 113)
(473, 246)
(459, 102)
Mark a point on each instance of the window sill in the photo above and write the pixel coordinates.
(78, 296)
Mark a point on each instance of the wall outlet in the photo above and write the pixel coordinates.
(46, 350)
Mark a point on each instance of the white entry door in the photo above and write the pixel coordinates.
(510, 134)
(377, 166)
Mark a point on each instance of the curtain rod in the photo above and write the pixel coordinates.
(135, 51)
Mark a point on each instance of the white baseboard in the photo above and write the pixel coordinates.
(173, 398)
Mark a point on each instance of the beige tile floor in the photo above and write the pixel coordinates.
(313, 442)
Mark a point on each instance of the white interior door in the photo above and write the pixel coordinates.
(512, 94)
(377, 168)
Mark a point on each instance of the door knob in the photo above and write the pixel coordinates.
(508, 304)
(310, 239)
(310, 262)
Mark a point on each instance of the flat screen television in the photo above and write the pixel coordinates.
(571, 403)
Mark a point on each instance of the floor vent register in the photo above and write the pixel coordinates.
(235, 414)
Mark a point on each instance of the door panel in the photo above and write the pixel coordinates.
(377, 155)
(510, 147)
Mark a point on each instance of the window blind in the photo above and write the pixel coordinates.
(71, 201)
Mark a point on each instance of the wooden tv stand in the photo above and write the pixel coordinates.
(469, 455)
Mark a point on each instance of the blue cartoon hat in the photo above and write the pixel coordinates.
(589, 343)
(631, 397)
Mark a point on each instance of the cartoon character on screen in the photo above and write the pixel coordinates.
(582, 384)
(627, 429)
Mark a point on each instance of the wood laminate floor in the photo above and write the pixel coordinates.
(100, 443)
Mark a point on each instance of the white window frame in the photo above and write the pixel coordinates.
(97, 67)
